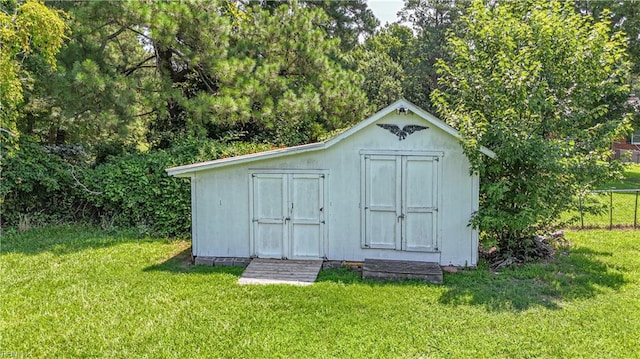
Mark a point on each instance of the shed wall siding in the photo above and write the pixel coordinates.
(222, 197)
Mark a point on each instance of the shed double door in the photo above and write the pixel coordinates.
(288, 215)
(400, 202)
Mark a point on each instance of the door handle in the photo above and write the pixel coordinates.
(400, 217)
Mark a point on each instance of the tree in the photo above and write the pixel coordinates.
(284, 84)
(189, 44)
(385, 60)
(383, 78)
(345, 20)
(26, 30)
(94, 95)
(206, 69)
(348, 20)
(545, 89)
(415, 50)
(430, 20)
(270, 77)
(624, 16)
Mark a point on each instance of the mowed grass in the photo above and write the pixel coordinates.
(631, 178)
(622, 214)
(78, 292)
(622, 204)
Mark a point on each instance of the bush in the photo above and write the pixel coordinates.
(137, 192)
(37, 185)
(57, 184)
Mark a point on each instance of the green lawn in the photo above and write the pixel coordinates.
(78, 292)
(623, 203)
(623, 210)
(631, 178)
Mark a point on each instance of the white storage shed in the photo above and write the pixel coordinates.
(395, 186)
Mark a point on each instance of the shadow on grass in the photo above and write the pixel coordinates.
(345, 275)
(181, 263)
(579, 274)
(61, 240)
(572, 276)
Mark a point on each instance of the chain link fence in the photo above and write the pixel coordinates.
(612, 208)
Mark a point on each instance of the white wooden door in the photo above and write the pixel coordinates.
(382, 203)
(419, 199)
(269, 215)
(307, 215)
(288, 215)
(400, 204)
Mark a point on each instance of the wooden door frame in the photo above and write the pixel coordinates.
(436, 186)
(289, 173)
(363, 185)
(253, 220)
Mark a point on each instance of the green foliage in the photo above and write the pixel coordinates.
(92, 95)
(105, 88)
(625, 17)
(154, 72)
(348, 20)
(37, 186)
(26, 29)
(387, 61)
(430, 21)
(135, 193)
(139, 75)
(545, 89)
(345, 20)
(58, 184)
(135, 190)
(281, 83)
(414, 49)
(383, 78)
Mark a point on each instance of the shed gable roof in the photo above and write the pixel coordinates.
(187, 170)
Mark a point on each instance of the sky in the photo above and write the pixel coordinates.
(385, 10)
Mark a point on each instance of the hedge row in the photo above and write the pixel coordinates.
(63, 184)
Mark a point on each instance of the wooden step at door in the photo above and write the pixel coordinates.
(384, 269)
(279, 271)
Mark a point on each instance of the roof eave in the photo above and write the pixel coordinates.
(487, 152)
(189, 170)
